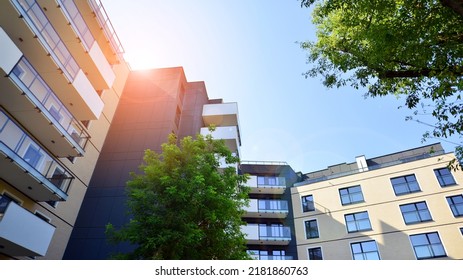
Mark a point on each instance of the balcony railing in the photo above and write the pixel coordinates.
(271, 182)
(34, 160)
(268, 206)
(107, 27)
(35, 88)
(43, 29)
(370, 167)
(23, 233)
(273, 234)
(78, 23)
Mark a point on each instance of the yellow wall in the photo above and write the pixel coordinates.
(388, 227)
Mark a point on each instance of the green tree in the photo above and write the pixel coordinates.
(409, 48)
(183, 206)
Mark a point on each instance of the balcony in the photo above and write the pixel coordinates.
(76, 35)
(114, 52)
(35, 36)
(228, 133)
(221, 114)
(28, 167)
(267, 208)
(23, 233)
(270, 257)
(266, 185)
(31, 101)
(266, 235)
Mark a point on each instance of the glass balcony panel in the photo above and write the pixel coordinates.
(50, 39)
(32, 154)
(27, 78)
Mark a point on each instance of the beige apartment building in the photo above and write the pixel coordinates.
(402, 206)
(62, 75)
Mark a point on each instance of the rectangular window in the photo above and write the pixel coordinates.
(307, 203)
(315, 253)
(456, 205)
(405, 185)
(357, 221)
(351, 195)
(311, 229)
(445, 177)
(461, 230)
(427, 246)
(33, 156)
(415, 212)
(366, 250)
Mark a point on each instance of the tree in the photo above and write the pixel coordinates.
(410, 48)
(183, 206)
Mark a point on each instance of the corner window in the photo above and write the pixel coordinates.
(307, 203)
(351, 195)
(366, 250)
(405, 185)
(427, 246)
(456, 205)
(311, 229)
(415, 212)
(357, 222)
(445, 177)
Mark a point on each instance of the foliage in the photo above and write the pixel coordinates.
(409, 48)
(183, 206)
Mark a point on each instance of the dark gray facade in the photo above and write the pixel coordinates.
(154, 104)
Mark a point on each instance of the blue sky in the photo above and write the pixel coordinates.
(246, 52)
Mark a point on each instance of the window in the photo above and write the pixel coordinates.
(427, 246)
(357, 221)
(405, 185)
(311, 229)
(415, 212)
(456, 205)
(366, 250)
(461, 230)
(307, 203)
(351, 195)
(315, 253)
(4, 202)
(32, 156)
(445, 177)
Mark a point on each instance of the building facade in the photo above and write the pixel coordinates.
(402, 206)
(270, 227)
(62, 75)
(154, 104)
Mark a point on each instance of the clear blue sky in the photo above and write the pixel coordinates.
(246, 52)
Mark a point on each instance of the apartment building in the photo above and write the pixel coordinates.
(62, 75)
(154, 104)
(402, 206)
(270, 227)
